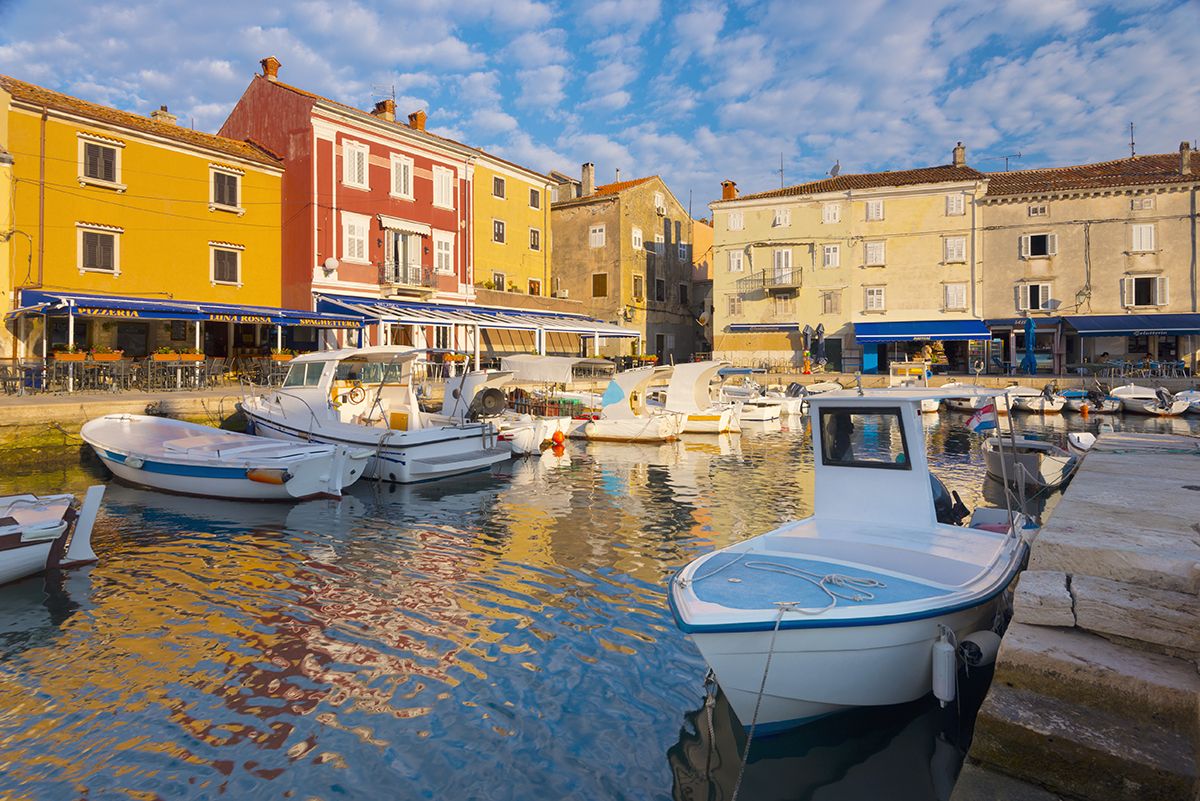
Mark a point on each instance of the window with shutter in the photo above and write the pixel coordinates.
(1022, 297)
(955, 204)
(499, 281)
(639, 288)
(443, 253)
(99, 251)
(596, 236)
(498, 231)
(1143, 238)
(100, 162)
(443, 187)
(535, 200)
(226, 266)
(831, 213)
(735, 305)
(535, 239)
(956, 249)
(1161, 295)
(737, 221)
(637, 238)
(354, 164)
(875, 299)
(225, 189)
(735, 261)
(831, 256)
(874, 210)
(1036, 246)
(875, 254)
(831, 302)
(402, 171)
(783, 266)
(956, 296)
(498, 187)
(783, 217)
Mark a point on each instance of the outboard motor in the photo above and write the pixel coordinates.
(949, 507)
(488, 402)
(794, 390)
(1048, 392)
(1165, 399)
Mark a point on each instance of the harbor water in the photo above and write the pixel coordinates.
(502, 636)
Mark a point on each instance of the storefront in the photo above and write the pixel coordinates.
(776, 343)
(955, 345)
(47, 321)
(1051, 348)
(1136, 337)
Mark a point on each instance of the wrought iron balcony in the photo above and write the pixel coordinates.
(771, 281)
(401, 278)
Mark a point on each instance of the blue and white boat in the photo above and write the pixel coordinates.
(844, 609)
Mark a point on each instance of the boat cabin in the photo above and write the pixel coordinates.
(364, 386)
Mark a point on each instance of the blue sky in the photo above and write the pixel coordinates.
(695, 91)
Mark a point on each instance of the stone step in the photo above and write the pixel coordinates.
(1081, 751)
(1089, 670)
(1163, 620)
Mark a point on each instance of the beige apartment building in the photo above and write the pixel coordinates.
(1102, 256)
(884, 262)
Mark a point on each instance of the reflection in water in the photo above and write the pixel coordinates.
(504, 635)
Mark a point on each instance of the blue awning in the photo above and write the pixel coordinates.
(932, 330)
(1042, 323)
(446, 314)
(1135, 325)
(119, 307)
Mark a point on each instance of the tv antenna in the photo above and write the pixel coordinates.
(381, 91)
(1016, 155)
(1132, 151)
(781, 171)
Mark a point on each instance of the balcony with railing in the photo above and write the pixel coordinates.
(774, 280)
(399, 279)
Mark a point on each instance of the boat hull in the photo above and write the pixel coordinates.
(1153, 407)
(1037, 404)
(47, 533)
(652, 428)
(723, 421)
(758, 412)
(818, 671)
(1036, 463)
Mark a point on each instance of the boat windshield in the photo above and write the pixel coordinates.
(306, 374)
(863, 437)
(370, 372)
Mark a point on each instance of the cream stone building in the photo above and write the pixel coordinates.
(885, 262)
(1102, 256)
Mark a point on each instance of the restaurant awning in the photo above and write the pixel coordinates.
(1135, 325)
(39, 301)
(444, 314)
(750, 328)
(932, 330)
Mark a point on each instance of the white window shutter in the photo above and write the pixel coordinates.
(1161, 297)
(1022, 297)
(1025, 246)
(1052, 244)
(389, 248)
(1127, 292)
(1044, 293)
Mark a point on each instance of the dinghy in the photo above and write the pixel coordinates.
(190, 459)
(1094, 401)
(1150, 401)
(1192, 396)
(624, 415)
(1033, 462)
(42, 532)
(855, 605)
(1028, 399)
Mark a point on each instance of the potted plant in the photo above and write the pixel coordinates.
(190, 355)
(165, 354)
(282, 354)
(106, 353)
(68, 353)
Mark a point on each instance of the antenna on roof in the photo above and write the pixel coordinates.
(836, 169)
(1006, 157)
(781, 171)
(381, 91)
(1132, 151)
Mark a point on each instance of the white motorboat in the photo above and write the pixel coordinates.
(1150, 401)
(855, 605)
(477, 396)
(1028, 461)
(1093, 401)
(1028, 399)
(364, 397)
(755, 406)
(794, 397)
(42, 532)
(191, 459)
(962, 397)
(624, 415)
(913, 374)
(1080, 442)
(689, 393)
(1192, 396)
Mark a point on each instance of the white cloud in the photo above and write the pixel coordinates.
(491, 121)
(613, 101)
(611, 77)
(543, 88)
(534, 48)
(608, 14)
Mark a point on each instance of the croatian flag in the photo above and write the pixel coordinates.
(983, 419)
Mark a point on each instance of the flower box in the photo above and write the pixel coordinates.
(164, 357)
(108, 357)
(281, 357)
(62, 356)
(190, 357)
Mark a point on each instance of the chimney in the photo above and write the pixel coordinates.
(1185, 158)
(728, 190)
(589, 179)
(416, 120)
(960, 155)
(270, 66)
(385, 110)
(161, 114)
(618, 175)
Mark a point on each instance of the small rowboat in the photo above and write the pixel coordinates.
(1150, 401)
(191, 459)
(37, 533)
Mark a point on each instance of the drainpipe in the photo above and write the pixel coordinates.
(974, 228)
(42, 198)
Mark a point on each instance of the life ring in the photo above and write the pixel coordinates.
(356, 394)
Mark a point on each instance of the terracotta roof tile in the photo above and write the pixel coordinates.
(1162, 168)
(41, 96)
(876, 180)
(620, 186)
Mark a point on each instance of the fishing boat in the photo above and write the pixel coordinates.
(1150, 401)
(1028, 399)
(689, 393)
(855, 605)
(365, 398)
(42, 532)
(191, 459)
(624, 415)
(1028, 461)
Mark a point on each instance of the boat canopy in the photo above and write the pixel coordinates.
(932, 330)
(532, 368)
(625, 397)
(1135, 325)
(689, 387)
(376, 353)
(39, 301)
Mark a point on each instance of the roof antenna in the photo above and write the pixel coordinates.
(781, 171)
(1132, 152)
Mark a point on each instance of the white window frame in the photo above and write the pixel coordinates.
(954, 250)
(831, 256)
(1142, 238)
(116, 145)
(874, 298)
(831, 213)
(954, 297)
(444, 180)
(782, 265)
(502, 229)
(833, 299)
(874, 210)
(597, 235)
(734, 305)
(226, 247)
(783, 218)
(660, 244)
(1051, 245)
(537, 231)
(660, 203)
(1045, 295)
(1162, 291)
(535, 194)
(878, 259)
(1039, 210)
(503, 187)
(784, 304)
(213, 205)
(737, 221)
(351, 152)
(637, 239)
(956, 204)
(737, 261)
(681, 250)
(443, 253)
(402, 168)
(109, 230)
(349, 251)
(1142, 203)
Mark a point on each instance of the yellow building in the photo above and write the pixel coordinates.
(879, 261)
(511, 221)
(123, 223)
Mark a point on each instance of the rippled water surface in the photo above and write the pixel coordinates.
(500, 636)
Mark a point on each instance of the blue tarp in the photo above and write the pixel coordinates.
(120, 307)
(1135, 325)
(933, 330)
